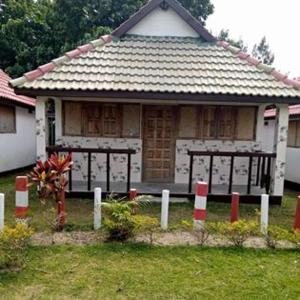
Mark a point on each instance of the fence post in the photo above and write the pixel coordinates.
(264, 213)
(1, 211)
(200, 204)
(21, 197)
(97, 208)
(132, 194)
(235, 200)
(165, 209)
(297, 216)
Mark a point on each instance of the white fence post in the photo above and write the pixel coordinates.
(1, 211)
(165, 209)
(264, 213)
(97, 208)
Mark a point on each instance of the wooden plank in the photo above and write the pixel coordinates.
(89, 172)
(92, 150)
(230, 153)
(191, 173)
(249, 175)
(107, 172)
(231, 175)
(211, 164)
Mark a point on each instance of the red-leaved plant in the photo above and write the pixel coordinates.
(51, 182)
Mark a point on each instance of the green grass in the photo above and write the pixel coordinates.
(80, 211)
(134, 271)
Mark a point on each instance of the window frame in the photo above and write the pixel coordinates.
(218, 108)
(14, 130)
(297, 132)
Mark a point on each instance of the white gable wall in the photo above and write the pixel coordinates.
(18, 149)
(163, 23)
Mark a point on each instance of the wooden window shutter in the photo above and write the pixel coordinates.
(92, 120)
(245, 123)
(131, 120)
(226, 122)
(111, 120)
(7, 119)
(188, 122)
(292, 134)
(208, 122)
(72, 118)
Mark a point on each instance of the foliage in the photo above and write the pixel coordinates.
(201, 233)
(146, 224)
(13, 244)
(119, 217)
(295, 238)
(32, 32)
(263, 52)
(237, 232)
(51, 182)
(225, 36)
(50, 176)
(276, 234)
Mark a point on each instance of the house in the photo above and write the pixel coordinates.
(17, 128)
(292, 175)
(160, 103)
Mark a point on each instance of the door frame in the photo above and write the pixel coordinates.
(175, 129)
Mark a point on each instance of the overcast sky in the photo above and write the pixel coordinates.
(278, 20)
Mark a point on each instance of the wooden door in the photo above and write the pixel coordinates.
(158, 144)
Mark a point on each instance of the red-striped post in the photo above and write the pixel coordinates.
(132, 194)
(21, 197)
(297, 217)
(200, 204)
(235, 200)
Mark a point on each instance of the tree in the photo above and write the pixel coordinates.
(263, 52)
(32, 32)
(224, 36)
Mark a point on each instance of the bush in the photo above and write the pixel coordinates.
(237, 232)
(146, 225)
(13, 245)
(295, 238)
(201, 234)
(119, 218)
(274, 235)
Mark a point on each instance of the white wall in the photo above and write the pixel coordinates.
(163, 23)
(293, 165)
(292, 172)
(19, 149)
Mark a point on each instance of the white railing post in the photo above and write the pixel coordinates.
(97, 208)
(2, 197)
(165, 209)
(264, 213)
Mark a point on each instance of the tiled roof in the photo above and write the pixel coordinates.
(8, 93)
(160, 64)
(293, 110)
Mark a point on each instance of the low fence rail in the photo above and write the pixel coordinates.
(263, 175)
(90, 151)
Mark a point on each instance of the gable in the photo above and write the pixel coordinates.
(163, 22)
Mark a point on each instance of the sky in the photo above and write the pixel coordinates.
(250, 20)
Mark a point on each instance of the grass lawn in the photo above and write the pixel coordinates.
(135, 271)
(80, 211)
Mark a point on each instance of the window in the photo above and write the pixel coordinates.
(217, 122)
(101, 119)
(7, 119)
(294, 134)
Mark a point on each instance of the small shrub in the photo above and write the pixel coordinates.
(295, 238)
(274, 235)
(146, 225)
(201, 234)
(13, 245)
(119, 218)
(237, 232)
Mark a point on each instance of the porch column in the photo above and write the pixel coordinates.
(40, 119)
(280, 144)
(58, 120)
